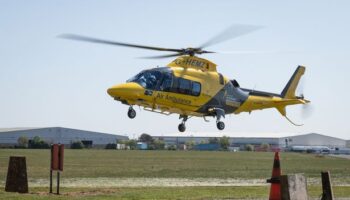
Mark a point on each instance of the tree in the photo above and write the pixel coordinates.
(111, 146)
(172, 147)
(22, 142)
(158, 144)
(224, 142)
(249, 147)
(213, 140)
(265, 147)
(146, 138)
(77, 145)
(38, 143)
(190, 144)
(132, 144)
(36, 139)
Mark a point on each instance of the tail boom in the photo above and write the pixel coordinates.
(258, 100)
(260, 103)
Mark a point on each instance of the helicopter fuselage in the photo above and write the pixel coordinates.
(191, 92)
(191, 86)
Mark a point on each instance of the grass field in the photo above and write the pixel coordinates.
(193, 193)
(184, 164)
(112, 164)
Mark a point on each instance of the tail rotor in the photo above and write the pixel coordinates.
(306, 109)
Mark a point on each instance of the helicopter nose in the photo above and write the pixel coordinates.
(126, 91)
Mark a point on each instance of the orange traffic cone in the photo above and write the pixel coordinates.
(275, 190)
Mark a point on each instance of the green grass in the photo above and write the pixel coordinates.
(172, 164)
(162, 193)
(176, 164)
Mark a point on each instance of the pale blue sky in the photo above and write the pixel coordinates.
(46, 81)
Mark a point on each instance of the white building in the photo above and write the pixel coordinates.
(9, 137)
(311, 139)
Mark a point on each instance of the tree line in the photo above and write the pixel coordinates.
(152, 144)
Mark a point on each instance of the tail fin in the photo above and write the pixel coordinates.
(289, 90)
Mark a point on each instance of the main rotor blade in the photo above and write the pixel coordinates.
(233, 31)
(253, 52)
(163, 56)
(100, 41)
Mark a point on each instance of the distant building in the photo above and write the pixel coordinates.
(241, 142)
(207, 147)
(142, 145)
(237, 142)
(9, 137)
(312, 139)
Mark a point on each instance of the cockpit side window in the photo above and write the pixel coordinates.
(196, 89)
(166, 83)
(184, 86)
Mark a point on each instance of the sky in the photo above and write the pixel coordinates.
(46, 81)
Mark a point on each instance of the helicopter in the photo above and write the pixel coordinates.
(191, 86)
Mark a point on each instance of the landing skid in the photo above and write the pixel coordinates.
(293, 122)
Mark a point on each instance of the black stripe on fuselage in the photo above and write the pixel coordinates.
(286, 88)
(221, 100)
(260, 93)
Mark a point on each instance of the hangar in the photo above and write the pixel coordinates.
(9, 136)
(311, 139)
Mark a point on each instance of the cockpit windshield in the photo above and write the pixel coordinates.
(148, 79)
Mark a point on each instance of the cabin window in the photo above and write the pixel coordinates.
(196, 89)
(184, 86)
(173, 84)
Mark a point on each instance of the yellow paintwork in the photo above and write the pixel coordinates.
(260, 103)
(204, 72)
(193, 62)
(129, 91)
(186, 67)
(186, 104)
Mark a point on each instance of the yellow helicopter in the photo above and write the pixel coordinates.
(192, 86)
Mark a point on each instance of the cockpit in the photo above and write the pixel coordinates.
(162, 79)
(148, 79)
